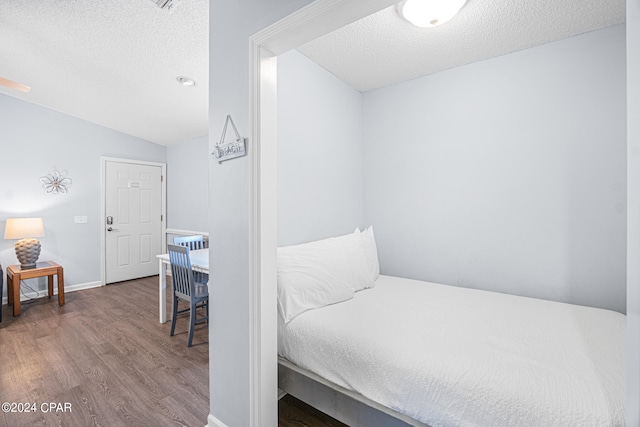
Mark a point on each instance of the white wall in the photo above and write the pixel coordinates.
(319, 152)
(507, 174)
(633, 197)
(231, 23)
(34, 139)
(188, 185)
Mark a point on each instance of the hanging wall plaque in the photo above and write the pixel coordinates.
(227, 150)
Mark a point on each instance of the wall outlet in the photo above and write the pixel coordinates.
(81, 219)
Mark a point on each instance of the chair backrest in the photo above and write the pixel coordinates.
(181, 272)
(192, 242)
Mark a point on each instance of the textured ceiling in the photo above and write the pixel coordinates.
(112, 62)
(384, 49)
(115, 62)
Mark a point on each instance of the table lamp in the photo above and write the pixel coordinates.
(27, 248)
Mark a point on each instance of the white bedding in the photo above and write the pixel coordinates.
(450, 356)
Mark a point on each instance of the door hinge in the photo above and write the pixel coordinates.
(161, 217)
(161, 178)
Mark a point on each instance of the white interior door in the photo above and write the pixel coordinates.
(133, 220)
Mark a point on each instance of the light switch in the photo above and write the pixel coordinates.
(81, 219)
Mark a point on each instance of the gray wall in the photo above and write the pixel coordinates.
(34, 139)
(188, 185)
(507, 174)
(633, 196)
(319, 152)
(231, 23)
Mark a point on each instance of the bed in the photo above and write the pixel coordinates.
(406, 352)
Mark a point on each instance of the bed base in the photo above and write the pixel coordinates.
(344, 405)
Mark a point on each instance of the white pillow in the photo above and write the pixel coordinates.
(371, 253)
(353, 245)
(312, 275)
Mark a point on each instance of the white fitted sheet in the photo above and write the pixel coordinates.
(451, 356)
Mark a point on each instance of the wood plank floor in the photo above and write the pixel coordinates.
(105, 354)
(294, 413)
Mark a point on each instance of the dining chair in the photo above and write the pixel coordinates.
(193, 242)
(185, 288)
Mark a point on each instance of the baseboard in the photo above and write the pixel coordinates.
(67, 289)
(214, 422)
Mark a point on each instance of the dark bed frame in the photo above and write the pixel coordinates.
(344, 405)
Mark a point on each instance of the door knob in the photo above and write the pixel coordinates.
(112, 229)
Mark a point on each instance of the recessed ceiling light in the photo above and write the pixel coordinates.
(186, 81)
(429, 13)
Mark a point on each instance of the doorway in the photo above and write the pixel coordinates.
(263, 66)
(133, 218)
(306, 24)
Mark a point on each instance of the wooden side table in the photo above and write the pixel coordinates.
(15, 274)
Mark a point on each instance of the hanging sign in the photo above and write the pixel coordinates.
(227, 150)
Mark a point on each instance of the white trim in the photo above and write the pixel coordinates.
(633, 209)
(214, 422)
(314, 20)
(67, 289)
(103, 214)
(263, 237)
(131, 161)
(184, 232)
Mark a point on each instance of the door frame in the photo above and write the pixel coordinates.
(103, 213)
(312, 21)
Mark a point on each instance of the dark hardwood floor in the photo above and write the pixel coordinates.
(103, 359)
(294, 413)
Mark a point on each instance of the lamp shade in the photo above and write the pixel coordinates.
(27, 248)
(21, 228)
(429, 13)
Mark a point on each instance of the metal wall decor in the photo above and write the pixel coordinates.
(227, 150)
(56, 182)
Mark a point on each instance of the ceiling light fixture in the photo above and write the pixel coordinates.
(14, 85)
(186, 81)
(429, 13)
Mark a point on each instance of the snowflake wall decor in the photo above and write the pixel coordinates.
(55, 182)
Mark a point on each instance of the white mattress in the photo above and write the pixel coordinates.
(450, 356)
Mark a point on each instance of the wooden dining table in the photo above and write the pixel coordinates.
(199, 262)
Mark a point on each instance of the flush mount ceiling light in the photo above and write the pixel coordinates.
(186, 81)
(429, 13)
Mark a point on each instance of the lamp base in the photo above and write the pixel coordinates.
(28, 252)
